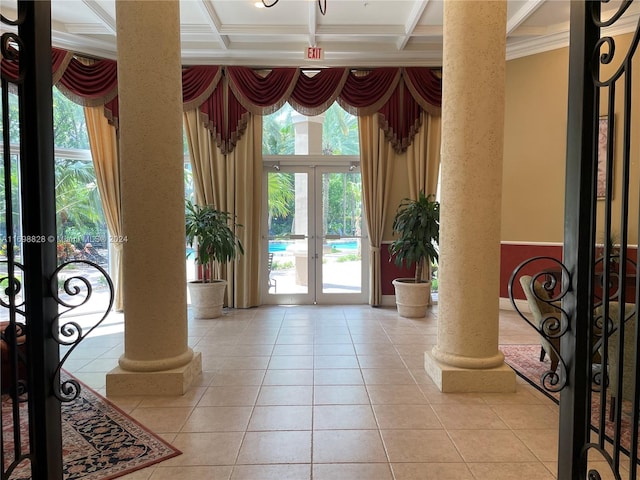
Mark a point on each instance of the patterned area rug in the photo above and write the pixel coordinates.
(525, 360)
(99, 440)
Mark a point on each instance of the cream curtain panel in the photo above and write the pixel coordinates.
(104, 150)
(246, 161)
(423, 157)
(233, 184)
(423, 163)
(376, 166)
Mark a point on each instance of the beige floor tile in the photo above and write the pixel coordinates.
(352, 471)
(291, 362)
(413, 362)
(231, 396)
(296, 330)
(244, 350)
(274, 370)
(509, 471)
(419, 446)
(381, 338)
(490, 446)
(338, 376)
(285, 395)
(332, 349)
(331, 339)
(271, 472)
(294, 339)
(248, 363)
(281, 417)
(343, 417)
(162, 419)
(412, 417)
(211, 363)
(340, 395)
(387, 376)
(435, 396)
(218, 419)
(292, 350)
(528, 416)
(348, 446)
(191, 398)
(210, 448)
(126, 403)
(190, 473)
(375, 349)
(335, 361)
(455, 417)
(431, 471)
(288, 377)
(396, 395)
(543, 443)
(275, 447)
(522, 396)
(222, 378)
(380, 361)
(420, 376)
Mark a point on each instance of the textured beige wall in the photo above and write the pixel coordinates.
(535, 146)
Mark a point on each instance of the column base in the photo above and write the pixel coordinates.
(451, 379)
(176, 381)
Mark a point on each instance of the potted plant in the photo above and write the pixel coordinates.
(213, 232)
(417, 224)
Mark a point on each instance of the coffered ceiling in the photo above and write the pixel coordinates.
(356, 33)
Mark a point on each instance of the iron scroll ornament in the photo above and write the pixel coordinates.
(553, 325)
(78, 290)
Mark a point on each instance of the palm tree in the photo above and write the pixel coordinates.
(78, 206)
(340, 132)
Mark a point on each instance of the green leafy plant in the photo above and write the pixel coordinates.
(213, 231)
(417, 222)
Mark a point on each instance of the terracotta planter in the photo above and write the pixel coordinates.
(207, 299)
(412, 299)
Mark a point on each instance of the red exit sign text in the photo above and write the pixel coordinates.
(314, 53)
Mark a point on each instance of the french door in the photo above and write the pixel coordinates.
(314, 243)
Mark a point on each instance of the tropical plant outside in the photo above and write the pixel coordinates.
(417, 222)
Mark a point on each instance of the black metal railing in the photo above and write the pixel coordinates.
(593, 292)
(37, 296)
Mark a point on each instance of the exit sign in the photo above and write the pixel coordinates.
(314, 53)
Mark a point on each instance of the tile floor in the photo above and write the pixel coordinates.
(331, 393)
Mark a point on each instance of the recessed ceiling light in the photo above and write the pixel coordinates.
(259, 5)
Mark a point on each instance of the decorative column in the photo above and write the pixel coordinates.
(466, 357)
(157, 359)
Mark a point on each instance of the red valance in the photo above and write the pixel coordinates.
(226, 96)
(90, 85)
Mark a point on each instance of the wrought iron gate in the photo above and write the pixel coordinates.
(588, 301)
(35, 292)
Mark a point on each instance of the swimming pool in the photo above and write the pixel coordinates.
(281, 246)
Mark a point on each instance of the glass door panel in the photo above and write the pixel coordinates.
(341, 243)
(289, 276)
(314, 243)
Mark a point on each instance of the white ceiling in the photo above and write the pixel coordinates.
(355, 33)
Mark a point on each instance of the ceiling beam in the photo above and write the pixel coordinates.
(214, 22)
(522, 14)
(108, 21)
(409, 27)
(313, 24)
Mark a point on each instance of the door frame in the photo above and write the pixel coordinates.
(313, 167)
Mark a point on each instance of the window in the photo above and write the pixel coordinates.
(287, 132)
